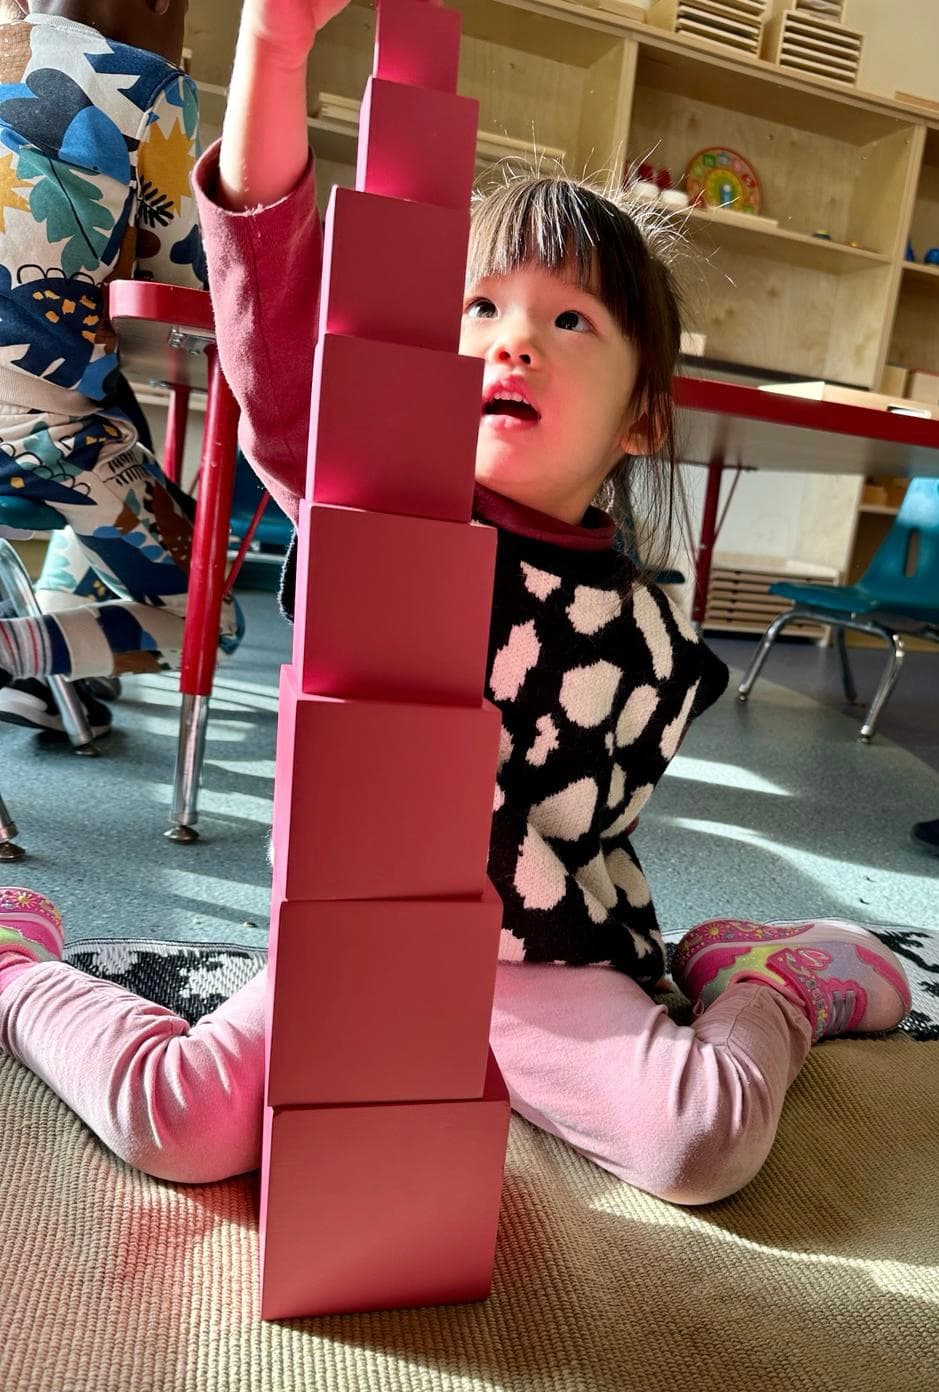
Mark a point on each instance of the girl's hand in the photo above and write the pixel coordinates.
(287, 28)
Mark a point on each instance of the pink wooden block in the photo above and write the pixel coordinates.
(381, 800)
(392, 608)
(416, 143)
(393, 270)
(375, 1208)
(380, 1001)
(393, 428)
(417, 43)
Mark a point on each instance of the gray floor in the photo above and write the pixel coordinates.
(770, 809)
(912, 716)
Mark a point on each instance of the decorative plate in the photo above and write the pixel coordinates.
(722, 178)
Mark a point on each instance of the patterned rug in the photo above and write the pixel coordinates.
(194, 978)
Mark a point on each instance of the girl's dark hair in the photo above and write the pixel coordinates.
(620, 252)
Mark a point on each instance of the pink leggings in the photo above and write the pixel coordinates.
(688, 1113)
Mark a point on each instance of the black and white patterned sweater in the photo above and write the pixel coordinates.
(595, 694)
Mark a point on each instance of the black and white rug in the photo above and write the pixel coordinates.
(194, 978)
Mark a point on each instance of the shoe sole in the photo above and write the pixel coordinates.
(16, 708)
(20, 710)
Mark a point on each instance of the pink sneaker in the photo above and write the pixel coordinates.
(30, 925)
(844, 978)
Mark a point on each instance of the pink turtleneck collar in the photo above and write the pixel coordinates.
(596, 533)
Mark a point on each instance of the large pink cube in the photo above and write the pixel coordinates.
(381, 1000)
(380, 799)
(393, 428)
(379, 1207)
(417, 43)
(393, 270)
(392, 608)
(416, 143)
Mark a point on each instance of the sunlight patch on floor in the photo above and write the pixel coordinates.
(723, 775)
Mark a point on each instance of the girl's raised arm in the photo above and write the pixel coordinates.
(263, 243)
(264, 137)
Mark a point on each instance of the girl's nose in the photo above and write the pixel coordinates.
(515, 344)
(508, 354)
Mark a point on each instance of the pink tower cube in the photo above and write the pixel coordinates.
(393, 270)
(416, 143)
(380, 1000)
(381, 800)
(399, 610)
(417, 43)
(380, 1207)
(364, 449)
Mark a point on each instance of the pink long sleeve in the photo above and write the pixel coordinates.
(265, 267)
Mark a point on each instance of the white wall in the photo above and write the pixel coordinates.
(901, 44)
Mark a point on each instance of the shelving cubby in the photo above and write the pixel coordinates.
(780, 297)
(915, 340)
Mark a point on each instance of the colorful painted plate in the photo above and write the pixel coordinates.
(722, 178)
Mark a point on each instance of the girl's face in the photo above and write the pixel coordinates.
(545, 339)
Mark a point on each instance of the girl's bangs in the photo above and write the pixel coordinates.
(562, 227)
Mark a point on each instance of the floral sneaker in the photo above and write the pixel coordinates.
(844, 978)
(30, 925)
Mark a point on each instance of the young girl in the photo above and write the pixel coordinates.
(596, 676)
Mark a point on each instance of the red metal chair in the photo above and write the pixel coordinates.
(167, 336)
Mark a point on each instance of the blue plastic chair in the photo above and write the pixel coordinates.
(898, 593)
(21, 517)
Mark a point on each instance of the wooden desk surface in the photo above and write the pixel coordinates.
(721, 422)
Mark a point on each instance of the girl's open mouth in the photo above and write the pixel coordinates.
(509, 410)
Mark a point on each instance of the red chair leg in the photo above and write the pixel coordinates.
(206, 591)
(175, 442)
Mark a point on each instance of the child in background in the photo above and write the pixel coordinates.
(595, 673)
(98, 132)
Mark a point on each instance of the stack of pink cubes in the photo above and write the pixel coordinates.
(386, 1118)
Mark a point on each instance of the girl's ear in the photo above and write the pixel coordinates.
(639, 437)
(159, 7)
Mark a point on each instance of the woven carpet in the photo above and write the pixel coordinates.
(822, 1275)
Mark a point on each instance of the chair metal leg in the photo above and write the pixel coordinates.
(9, 851)
(857, 624)
(847, 676)
(190, 754)
(14, 578)
(887, 682)
(206, 592)
(766, 642)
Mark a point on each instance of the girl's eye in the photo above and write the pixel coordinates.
(573, 319)
(479, 309)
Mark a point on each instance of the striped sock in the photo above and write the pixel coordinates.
(30, 932)
(32, 647)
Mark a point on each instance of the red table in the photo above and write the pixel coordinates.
(167, 336)
(722, 425)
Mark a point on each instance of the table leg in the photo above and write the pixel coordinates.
(706, 540)
(175, 443)
(206, 589)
